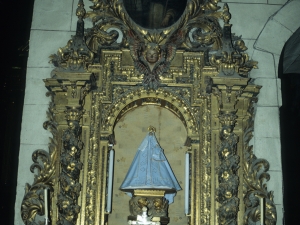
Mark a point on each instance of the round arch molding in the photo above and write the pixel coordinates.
(163, 98)
(177, 101)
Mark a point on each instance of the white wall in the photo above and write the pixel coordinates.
(52, 26)
(265, 25)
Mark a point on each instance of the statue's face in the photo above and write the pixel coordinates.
(152, 55)
(142, 201)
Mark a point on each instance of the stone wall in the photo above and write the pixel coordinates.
(265, 26)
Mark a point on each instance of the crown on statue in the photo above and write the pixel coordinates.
(74, 113)
(228, 118)
(151, 129)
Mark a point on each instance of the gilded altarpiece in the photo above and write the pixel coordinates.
(195, 69)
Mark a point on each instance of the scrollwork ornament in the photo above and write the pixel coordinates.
(254, 186)
(200, 18)
(75, 56)
(44, 169)
(97, 38)
(230, 59)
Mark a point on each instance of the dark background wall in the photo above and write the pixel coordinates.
(290, 147)
(15, 28)
(289, 73)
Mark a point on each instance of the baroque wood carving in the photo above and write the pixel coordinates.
(194, 68)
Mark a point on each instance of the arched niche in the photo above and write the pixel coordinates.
(129, 132)
(161, 97)
(177, 132)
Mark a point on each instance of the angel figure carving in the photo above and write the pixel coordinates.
(151, 60)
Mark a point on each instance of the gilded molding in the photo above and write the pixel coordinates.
(93, 151)
(206, 175)
(172, 101)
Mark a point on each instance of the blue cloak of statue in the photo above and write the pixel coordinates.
(151, 170)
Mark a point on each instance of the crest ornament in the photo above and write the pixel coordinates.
(151, 59)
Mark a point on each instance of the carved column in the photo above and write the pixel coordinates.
(227, 91)
(69, 90)
(70, 168)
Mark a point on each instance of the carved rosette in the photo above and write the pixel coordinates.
(227, 172)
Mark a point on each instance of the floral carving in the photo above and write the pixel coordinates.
(227, 171)
(70, 169)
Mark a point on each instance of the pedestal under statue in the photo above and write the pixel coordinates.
(150, 181)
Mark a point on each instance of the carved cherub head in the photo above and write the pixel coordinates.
(158, 203)
(152, 53)
(143, 202)
(226, 131)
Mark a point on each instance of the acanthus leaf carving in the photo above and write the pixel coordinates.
(230, 59)
(255, 178)
(75, 56)
(44, 167)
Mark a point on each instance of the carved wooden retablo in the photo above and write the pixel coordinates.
(190, 66)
